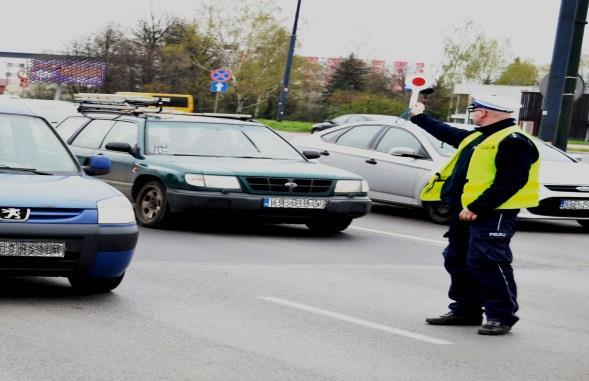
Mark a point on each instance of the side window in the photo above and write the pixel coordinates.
(122, 132)
(332, 136)
(395, 138)
(358, 137)
(70, 125)
(93, 134)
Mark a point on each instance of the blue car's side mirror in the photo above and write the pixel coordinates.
(97, 165)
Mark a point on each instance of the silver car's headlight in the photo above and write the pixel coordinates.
(115, 210)
(351, 186)
(212, 181)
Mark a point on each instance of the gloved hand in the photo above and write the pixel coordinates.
(417, 108)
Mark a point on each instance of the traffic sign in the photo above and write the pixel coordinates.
(221, 75)
(219, 87)
(579, 87)
(416, 82)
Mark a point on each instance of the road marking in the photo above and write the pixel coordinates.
(361, 322)
(398, 235)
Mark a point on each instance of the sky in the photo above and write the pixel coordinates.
(390, 30)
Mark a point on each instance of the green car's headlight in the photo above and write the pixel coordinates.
(351, 186)
(115, 210)
(212, 181)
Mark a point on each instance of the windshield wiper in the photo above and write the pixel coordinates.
(251, 141)
(258, 157)
(192, 154)
(31, 170)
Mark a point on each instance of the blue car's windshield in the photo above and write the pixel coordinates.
(216, 139)
(28, 143)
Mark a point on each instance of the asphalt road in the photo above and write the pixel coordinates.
(249, 302)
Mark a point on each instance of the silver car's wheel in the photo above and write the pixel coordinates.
(438, 212)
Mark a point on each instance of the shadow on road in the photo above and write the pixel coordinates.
(547, 226)
(551, 226)
(244, 226)
(13, 288)
(400, 211)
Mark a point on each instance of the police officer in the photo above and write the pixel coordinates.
(493, 174)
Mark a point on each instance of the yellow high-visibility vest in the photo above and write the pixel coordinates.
(482, 171)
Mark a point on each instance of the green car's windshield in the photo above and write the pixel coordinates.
(216, 139)
(28, 145)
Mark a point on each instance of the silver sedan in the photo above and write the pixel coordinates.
(397, 159)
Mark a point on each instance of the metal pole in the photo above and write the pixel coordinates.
(566, 114)
(551, 104)
(216, 102)
(284, 88)
(57, 95)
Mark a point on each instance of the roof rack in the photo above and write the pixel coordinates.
(244, 117)
(96, 102)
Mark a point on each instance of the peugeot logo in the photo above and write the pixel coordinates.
(291, 185)
(14, 214)
(583, 189)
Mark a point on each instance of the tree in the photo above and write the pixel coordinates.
(521, 73)
(351, 75)
(354, 102)
(378, 83)
(187, 62)
(149, 38)
(255, 42)
(472, 56)
(305, 101)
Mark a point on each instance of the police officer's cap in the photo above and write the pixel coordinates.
(493, 102)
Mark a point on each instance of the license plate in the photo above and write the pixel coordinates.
(32, 249)
(295, 203)
(574, 204)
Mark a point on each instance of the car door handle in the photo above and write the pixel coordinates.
(324, 153)
(371, 161)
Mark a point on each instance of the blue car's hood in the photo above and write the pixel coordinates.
(37, 191)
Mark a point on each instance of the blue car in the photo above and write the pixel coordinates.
(55, 219)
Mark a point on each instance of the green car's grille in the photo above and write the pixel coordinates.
(267, 185)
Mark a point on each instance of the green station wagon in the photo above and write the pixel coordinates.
(170, 162)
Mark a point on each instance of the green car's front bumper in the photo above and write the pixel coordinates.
(244, 203)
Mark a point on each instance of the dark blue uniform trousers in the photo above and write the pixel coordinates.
(478, 259)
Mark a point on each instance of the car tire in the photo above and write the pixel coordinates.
(314, 130)
(438, 212)
(151, 205)
(329, 226)
(584, 224)
(88, 285)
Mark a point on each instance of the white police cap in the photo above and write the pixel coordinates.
(493, 102)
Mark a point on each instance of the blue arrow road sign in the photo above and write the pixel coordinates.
(219, 87)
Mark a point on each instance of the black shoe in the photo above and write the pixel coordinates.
(452, 319)
(494, 328)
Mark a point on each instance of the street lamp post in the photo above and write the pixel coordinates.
(284, 87)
